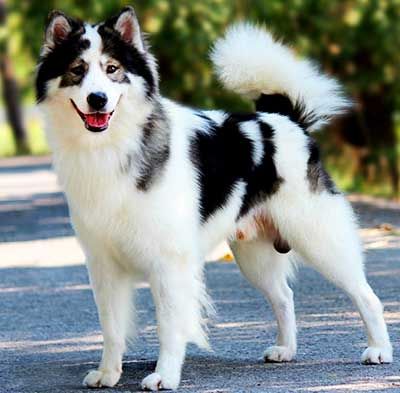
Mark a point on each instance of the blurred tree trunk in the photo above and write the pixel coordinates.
(371, 131)
(11, 94)
(379, 117)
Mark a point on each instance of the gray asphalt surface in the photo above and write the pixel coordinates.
(50, 335)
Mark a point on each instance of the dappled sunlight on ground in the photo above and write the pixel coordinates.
(63, 251)
(86, 343)
(391, 382)
(16, 178)
(375, 238)
(41, 289)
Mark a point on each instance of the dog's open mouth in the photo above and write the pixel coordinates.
(95, 121)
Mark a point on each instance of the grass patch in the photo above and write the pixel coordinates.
(36, 139)
(7, 144)
(356, 184)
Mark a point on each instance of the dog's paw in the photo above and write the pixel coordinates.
(377, 355)
(278, 353)
(101, 378)
(155, 382)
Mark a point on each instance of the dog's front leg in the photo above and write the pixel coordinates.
(112, 292)
(177, 291)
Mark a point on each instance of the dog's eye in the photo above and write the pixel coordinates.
(78, 70)
(111, 69)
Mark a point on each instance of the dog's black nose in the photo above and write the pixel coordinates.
(97, 100)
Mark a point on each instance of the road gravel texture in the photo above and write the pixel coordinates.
(50, 335)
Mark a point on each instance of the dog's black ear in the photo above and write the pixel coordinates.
(127, 25)
(58, 28)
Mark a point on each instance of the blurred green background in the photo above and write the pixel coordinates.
(356, 40)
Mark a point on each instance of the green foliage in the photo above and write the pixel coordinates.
(357, 40)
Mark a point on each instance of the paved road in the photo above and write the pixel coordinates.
(49, 332)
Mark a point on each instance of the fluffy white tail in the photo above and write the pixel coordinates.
(249, 61)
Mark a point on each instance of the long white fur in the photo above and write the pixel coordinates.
(249, 61)
(129, 235)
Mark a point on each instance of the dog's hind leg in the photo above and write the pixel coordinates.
(112, 290)
(321, 228)
(268, 271)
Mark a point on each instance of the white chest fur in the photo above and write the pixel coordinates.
(112, 216)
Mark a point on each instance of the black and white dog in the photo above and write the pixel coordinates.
(152, 185)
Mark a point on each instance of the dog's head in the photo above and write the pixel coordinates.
(91, 72)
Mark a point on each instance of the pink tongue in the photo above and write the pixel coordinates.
(98, 120)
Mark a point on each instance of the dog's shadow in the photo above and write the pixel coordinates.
(218, 374)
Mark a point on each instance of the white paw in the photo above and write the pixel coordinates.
(98, 378)
(377, 355)
(278, 353)
(155, 382)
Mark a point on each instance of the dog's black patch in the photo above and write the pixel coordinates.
(57, 62)
(129, 57)
(154, 150)
(263, 180)
(223, 157)
(317, 176)
(281, 104)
